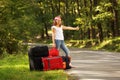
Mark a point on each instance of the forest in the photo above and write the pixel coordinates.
(29, 21)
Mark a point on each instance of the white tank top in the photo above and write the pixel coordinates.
(58, 33)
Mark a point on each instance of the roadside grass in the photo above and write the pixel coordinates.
(16, 67)
(107, 44)
(112, 44)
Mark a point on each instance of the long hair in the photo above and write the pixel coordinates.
(55, 20)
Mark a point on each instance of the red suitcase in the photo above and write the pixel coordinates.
(52, 63)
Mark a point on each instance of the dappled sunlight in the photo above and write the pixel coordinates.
(104, 43)
(109, 44)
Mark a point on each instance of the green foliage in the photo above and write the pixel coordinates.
(18, 23)
(80, 21)
(8, 42)
(25, 21)
(16, 67)
(102, 17)
(108, 44)
(102, 13)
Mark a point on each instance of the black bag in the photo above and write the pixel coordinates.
(35, 55)
(39, 51)
(36, 64)
(66, 59)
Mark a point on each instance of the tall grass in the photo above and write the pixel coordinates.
(16, 67)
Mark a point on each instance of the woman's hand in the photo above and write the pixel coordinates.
(53, 45)
(77, 28)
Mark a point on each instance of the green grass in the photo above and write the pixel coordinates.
(16, 67)
(107, 44)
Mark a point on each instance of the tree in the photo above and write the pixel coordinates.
(115, 22)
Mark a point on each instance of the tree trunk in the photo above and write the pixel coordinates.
(100, 32)
(112, 28)
(85, 6)
(42, 33)
(52, 9)
(88, 33)
(94, 33)
(115, 12)
(78, 5)
(46, 30)
(59, 7)
(66, 12)
(91, 26)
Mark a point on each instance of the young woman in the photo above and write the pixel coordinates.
(58, 36)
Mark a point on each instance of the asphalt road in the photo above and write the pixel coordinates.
(94, 65)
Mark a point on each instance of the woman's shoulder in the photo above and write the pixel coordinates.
(57, 27)
(53, 26)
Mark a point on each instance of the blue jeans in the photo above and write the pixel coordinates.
(61, 44)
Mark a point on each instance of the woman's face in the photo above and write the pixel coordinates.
(59, 22)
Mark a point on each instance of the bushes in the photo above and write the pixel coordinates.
(108, 44)
(9, 43)
(11, 46)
